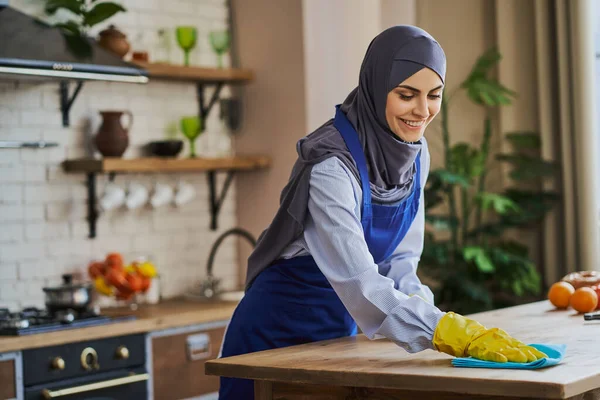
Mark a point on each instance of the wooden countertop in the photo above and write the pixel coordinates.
(359, 362)
(167, 314)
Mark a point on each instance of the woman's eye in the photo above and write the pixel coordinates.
(405, 97)
(435, 96)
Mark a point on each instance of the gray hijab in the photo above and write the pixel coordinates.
(393, 56)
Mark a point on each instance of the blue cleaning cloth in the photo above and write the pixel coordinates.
(555, 353)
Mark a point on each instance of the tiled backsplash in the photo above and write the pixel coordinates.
(43, 227)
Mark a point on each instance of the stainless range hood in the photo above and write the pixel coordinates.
(30, 48)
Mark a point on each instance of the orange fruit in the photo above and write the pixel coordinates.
(96, 269)
(560, 294)
(114, 259)
(145, 284)
(135, 282)
(584, 300)
(597, 290)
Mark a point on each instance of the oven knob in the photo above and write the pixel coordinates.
(58, 363)
(122, 353)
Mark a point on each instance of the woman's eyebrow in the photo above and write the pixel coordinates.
(417, 90)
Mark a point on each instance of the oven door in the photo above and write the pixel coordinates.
(116, 385)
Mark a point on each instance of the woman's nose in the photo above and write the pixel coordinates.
(421, 109)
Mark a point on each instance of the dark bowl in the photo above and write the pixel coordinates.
(165, 148)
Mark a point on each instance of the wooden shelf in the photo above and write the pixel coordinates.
(123, 165)
(112, 166)
(197, 74)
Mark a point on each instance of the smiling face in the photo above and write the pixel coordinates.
(413, 104)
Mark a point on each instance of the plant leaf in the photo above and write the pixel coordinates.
(485, 62)
(517, 288)
(432, 198)
(515, 271)
(78, 44)
(501, 204)
(533, 206)
(527, 167)
(466, 160)
(441, 222)
(479, 256)
(101, 12)
(435, 254)
(70, 27)
(484, 90)
(524, 140)
(434, 191)
(75, 6)
(450, 178)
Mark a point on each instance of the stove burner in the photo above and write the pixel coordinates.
(33, 320)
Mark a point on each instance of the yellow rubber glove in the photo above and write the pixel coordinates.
(463, 337)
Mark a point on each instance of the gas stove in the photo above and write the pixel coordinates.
(33, 320)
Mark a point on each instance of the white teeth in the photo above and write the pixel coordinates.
(413, 123)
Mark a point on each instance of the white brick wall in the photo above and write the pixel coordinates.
(43, 227)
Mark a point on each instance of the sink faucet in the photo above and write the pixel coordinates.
(210, 287)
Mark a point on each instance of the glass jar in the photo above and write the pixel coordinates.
(162, 53)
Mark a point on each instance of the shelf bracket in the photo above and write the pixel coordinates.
(204, 108)
(215, 204)
(65, 101)
(92, 212)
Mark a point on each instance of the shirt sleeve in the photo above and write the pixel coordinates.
(335, 239)
(402, 265)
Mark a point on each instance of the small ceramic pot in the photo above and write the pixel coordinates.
(114, 41)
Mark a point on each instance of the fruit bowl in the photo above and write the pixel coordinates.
(165, 148)
(113, 278)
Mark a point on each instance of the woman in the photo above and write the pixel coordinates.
(344, 245)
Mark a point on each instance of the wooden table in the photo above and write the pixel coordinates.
(358, 368)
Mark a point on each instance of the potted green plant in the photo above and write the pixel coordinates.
(473, 264)
(86, 14)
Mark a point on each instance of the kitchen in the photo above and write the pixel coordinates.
(58, 213)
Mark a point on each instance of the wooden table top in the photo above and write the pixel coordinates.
(167, 314)
(359, 362)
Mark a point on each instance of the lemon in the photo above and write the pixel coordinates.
(102, 287)
(147, 269)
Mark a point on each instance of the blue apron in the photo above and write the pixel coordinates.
(291, 302)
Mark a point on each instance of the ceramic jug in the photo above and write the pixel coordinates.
(112, 138)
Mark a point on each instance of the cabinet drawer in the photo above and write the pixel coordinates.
(178, 363)
(8, 389)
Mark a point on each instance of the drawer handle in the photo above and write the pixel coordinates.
(89, 359)
(53, 394)
(198, 347)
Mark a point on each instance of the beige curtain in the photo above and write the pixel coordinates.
(548, 53)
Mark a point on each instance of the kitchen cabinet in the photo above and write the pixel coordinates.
(178, 359)
(8, 376)
(356, 367)
(163, 350)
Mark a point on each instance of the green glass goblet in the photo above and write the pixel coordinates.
(220, 42)
(191, 127)
(186, 38)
